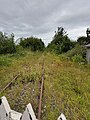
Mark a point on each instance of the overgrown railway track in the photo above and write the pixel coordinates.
(41, 92)
(41, 88)
(9, 84)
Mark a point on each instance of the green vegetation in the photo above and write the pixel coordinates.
(7, 44)
(66, 85)
(82, 40)
(77, 54)
(32, 43)
(60, 43)
(67, 80)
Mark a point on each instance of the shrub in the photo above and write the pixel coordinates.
(32, 43)
(78, 59)
(77, 50)
(60, 43)
(7, 44)
(82, 40)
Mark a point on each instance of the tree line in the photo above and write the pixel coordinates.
(60, 43)
(7, 43)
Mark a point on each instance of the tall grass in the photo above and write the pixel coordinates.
(66, 85)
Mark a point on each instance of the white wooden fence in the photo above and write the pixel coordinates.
(6, 113)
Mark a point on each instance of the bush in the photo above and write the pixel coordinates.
(32, 43)
(7, 44)
(77, 54)
(82, 40)
(60, 43)
(78, 59)
(77, 50)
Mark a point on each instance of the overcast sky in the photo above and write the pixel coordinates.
(41, 18)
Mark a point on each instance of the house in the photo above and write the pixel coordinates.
(88, 53)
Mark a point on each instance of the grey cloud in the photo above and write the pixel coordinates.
(42, 17)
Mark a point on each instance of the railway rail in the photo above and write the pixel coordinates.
(41, 89)
(41, 92)
(61, 117)
(9, 84)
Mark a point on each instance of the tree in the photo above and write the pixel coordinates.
(7, 44)
(32, 43)
(60, 43)
(60, 32)
(82, 40)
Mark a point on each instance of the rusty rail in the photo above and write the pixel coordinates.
(10, 83)
(41, 93)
